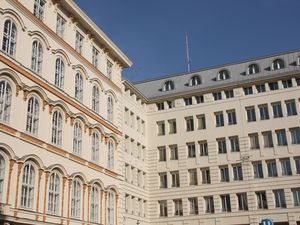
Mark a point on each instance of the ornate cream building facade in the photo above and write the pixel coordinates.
(79, 145)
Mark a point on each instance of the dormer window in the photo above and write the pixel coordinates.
(253, 69)
(223, 75)
(195, 80)
(168, 86)
(277, 64)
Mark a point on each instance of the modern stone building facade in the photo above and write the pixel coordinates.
(79, 145)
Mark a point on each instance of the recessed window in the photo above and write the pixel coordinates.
(5, 100)
(60, 25)
(223, 75)
(38, 9)
(195, 80)
(277, 64)
(168, 86)
(37, 57)
(32, 122)
(253, 69)
(79, 43)
(9, 41)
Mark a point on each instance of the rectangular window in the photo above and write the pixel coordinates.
(193, 177)
(261, 199)
(273, 86)
(295, 135)
(163, 208)
(172, 126)
(95, 57)
(60, 26)
(205, 175)
(161, 128)
(193, 202)
(225, 199)
(178, 207)
(287, 83)
(217, 96)
(201, 122)
(199, 99)
(222, 145)
(175, 179)
(189, 121)
(229, 94)
(234, 143)
(219, 119)
(298, 81)
(268, 139)
(174, 152)
(286, 167)
(237, 172)
(203, 148)
(242, 201)
(162, 154)
(251, 117)
(191, 150)
(38, 9)
(109, 68)
(188, 101)
(254, 141)
(209, 204)
(160, 106)
(264, 112)
(231, 117)
(248, 91)
(272, 169)
(261, 88)
(281, 137)
(171, 104)
(279, 198)
(277, 109)
(224, 174)
(79, 43)
(291, 107)
(163, 180)
(297, 163)
(296, 196)
(257, 170)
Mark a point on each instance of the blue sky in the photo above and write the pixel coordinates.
(152, 33)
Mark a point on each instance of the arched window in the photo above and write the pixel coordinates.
(33, 109)
(5, 100)
(37, 57)
(110, 154)
(110, 215)
(94, 214)
(53, 193)
(9, 38)
(110, 109)
(223, 75)
(277, 64)
(38, 9)
(95, 99)
(195, 80)
(95, 147)
(59, 73)
(76, 198)
(77, 138)
(168, 86)
(78, 87)
(2, 174)
(28, 183)
(57, 122)
(253, 69)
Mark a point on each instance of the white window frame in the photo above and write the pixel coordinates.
(95, 57)
(76, 198)
(57, 122)
(109, 67)
(79, 87)
(110, 154)
(94, 207)
(110, 109)
(2, 176)
(79, 42)
(110, 215)
(39, 8)
(77, 138)
(60, 25)
(95, 98)
(32, 121)
(28, 186)
(54, 193)
(59, 73)
(37, 57)
(5, 100)
(9, 40)
(95, 147)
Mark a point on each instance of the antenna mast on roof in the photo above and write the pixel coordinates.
(188, 59)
